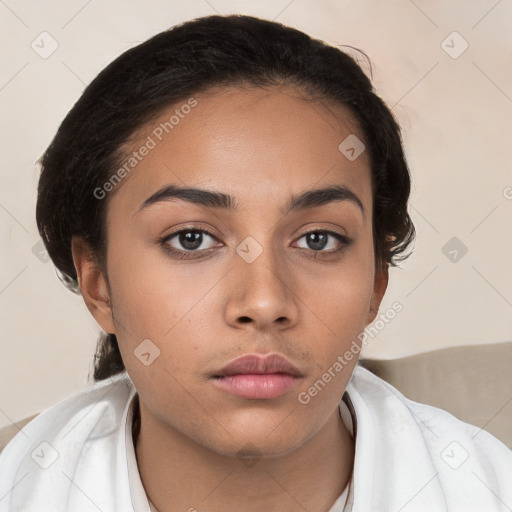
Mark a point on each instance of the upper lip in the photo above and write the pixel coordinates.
(259, 364)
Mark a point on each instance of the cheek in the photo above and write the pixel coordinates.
(340, 293)
(337, 319)
(161, 301)
(341, 313)
(151, 294)
(338, 306)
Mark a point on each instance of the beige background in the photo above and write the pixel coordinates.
(456, 115)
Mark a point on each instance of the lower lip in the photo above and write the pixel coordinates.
(268, 385)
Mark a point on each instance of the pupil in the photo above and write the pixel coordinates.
(318, 240)
(190, 239)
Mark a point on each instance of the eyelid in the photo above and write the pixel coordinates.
(213, 235)
(168, 236)
(325, 230)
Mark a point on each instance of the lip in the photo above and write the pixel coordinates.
(257, 376)
(259, 364)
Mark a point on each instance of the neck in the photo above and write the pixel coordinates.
(180, 474)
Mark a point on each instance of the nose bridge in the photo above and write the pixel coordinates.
(262, 288)
(260, 263)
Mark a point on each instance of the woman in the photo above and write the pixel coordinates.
(227, 197)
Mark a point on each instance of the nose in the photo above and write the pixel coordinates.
(261, 293)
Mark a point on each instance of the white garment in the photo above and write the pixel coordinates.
(78, 456)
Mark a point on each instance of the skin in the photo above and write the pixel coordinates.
(261, 146)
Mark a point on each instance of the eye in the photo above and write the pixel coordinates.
(188, 240)
(319, 240)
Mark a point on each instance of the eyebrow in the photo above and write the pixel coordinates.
(213, 199)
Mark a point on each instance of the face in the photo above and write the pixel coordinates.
(259, 274)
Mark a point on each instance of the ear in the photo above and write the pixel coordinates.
(379, 289)
(93, 284)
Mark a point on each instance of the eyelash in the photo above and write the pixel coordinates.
(345, 241)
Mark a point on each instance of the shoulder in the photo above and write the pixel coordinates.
(465, 461)
(7, 433)
(97, 408)
(388, 405)
(78, 436)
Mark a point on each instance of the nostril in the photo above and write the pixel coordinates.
(245, 319)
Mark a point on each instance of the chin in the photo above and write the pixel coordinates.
(250, 450)
(256, 437)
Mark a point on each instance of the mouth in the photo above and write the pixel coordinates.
(257, 376)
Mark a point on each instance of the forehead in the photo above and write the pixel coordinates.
(256, 144)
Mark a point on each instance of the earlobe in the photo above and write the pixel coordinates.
(379, 289)
(93, 285)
